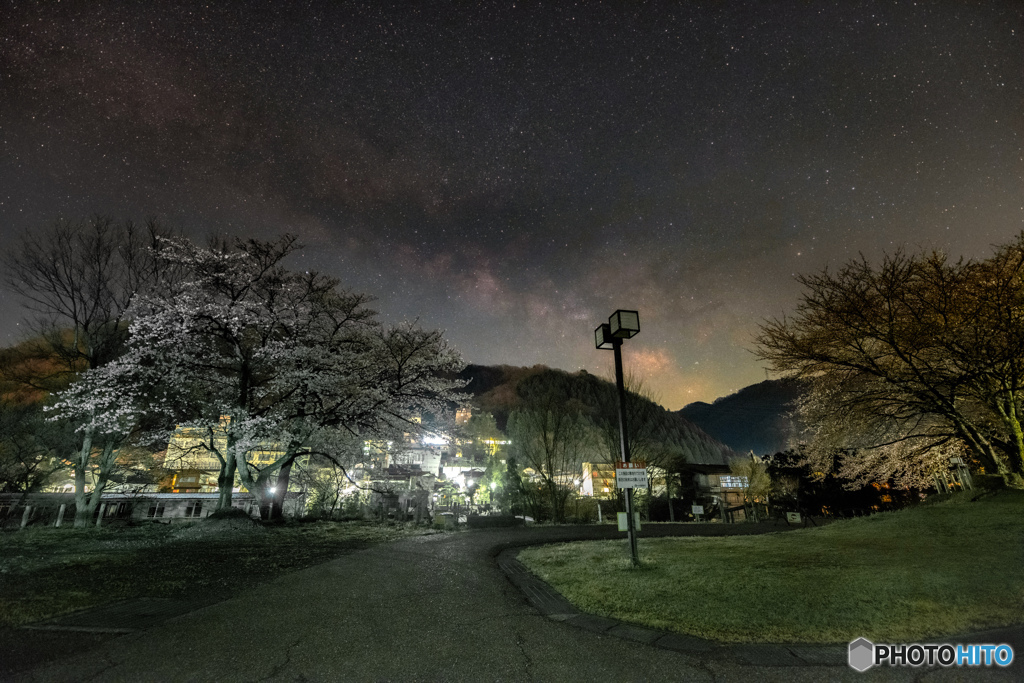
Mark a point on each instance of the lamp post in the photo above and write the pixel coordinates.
(621, 325)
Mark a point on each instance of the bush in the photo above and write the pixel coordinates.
(988, 482)
(583, 510)
(491, 521)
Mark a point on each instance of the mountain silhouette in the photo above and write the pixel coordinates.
(756, 418)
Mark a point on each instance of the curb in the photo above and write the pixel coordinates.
(552, 605)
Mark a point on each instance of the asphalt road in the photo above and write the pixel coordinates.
(433, 608)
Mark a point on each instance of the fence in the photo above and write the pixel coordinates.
(58, 509)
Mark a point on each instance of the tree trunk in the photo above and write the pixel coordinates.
(1016, 453)
(81, 509)
(82, 513)
(985, 450)
(226, 479)
(104, 467)
(668, 495)
(281, 490)
(556, 512)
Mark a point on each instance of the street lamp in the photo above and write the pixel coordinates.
(621, 325)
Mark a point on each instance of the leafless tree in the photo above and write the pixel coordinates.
(551, 435)
(911, 356)
(78, 280)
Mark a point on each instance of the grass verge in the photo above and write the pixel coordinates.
(933, 570)
(46, 572)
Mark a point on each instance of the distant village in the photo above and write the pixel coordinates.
(426, 476)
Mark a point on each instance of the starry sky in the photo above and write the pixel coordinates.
(513, 172)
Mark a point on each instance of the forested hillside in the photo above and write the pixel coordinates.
(494, 390)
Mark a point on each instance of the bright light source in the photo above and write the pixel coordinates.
(494, 485)
(434, 440)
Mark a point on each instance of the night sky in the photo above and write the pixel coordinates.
(514, 172)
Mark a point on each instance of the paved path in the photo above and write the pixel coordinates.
(434, 608)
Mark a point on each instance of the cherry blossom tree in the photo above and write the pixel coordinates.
(284, 361)
(111, 407)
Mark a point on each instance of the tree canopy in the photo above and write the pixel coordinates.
(284, 361)
(911, 361)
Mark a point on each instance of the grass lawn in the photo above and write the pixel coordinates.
(45, 572)
(933, 570)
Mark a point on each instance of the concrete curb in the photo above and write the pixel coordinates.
(551, 604)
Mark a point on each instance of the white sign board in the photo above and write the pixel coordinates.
(697, 509)
(793, 517)
(630, 475)
(623, 521)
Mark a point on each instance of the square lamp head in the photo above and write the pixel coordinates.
(624, 324)
(603, 337)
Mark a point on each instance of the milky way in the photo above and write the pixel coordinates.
(513, 173)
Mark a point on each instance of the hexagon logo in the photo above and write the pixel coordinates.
(861, 655)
